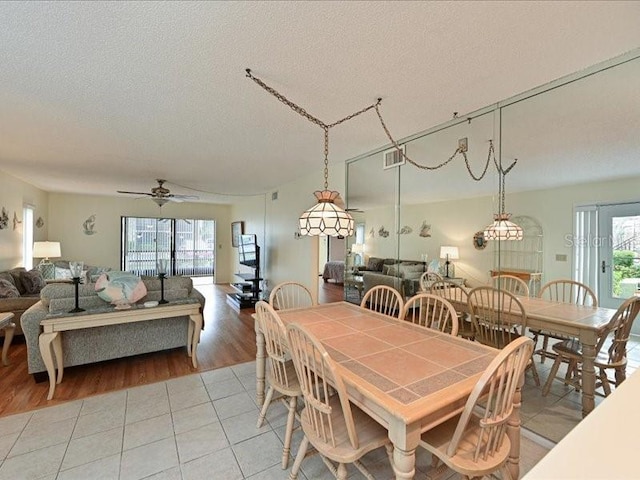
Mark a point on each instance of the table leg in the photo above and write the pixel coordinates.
(260, 365)
(44, 342)
(513, 432)
(405, 439)
(196, 324)
(588, 372)
(57, 356)
(8, 338)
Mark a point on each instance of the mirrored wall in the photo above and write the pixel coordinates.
(569, 137)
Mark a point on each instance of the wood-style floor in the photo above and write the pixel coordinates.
(228, 339)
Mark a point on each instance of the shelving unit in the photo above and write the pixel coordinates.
(246, 293)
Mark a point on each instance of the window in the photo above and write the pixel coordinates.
(188, 245)
(27, 236)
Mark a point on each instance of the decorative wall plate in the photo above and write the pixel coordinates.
(479, 240)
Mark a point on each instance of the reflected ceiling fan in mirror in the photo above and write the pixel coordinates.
(161, 195)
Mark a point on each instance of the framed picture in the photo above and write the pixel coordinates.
(237, 229)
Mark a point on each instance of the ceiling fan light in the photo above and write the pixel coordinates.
(503, 229)
(326, 218)
(160, 201)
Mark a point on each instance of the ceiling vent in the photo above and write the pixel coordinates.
(392, 158)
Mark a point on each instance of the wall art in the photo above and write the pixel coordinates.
(16, 222)
(382, 232)
(479, 240)
(406, 230)
(4, 219)
(372, 233)
(89, 225)
(425, 229)
(39, 222)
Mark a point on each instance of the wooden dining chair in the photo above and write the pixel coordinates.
(287, 295)
(613, 358)
(475, 443)
(281, 374)
(338, 430)
(456, 295)
(427, 279)
(431, 311)
(562, 291)
(511, 284)
(498, 318)
(383, 299)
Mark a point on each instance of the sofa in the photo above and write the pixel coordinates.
(20, 298)
(403, 275)
(108, 342)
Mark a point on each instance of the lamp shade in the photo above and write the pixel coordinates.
(326, 218)
(46, 249)
(449, 253)
(503, 229)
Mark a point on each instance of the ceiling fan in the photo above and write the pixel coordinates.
(162, 195)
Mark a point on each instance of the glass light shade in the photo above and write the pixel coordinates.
(326, 218)
(449, 253)
(46, 249)
(503, 229)
(160, 201)
(162, 265)
(76, 269)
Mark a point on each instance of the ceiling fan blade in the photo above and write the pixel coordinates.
(135, 193)
(184, 197)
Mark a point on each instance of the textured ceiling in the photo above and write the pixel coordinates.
(101, 96)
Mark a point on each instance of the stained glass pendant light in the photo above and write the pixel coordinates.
(502, 228)
(326, 218)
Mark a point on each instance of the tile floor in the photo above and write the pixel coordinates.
(200, 426)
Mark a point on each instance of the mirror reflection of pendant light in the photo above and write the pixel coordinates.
(326, 218)
(502, 228)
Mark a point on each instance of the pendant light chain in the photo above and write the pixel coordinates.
(301, 111)
(326, 158)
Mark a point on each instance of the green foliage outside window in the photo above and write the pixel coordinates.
(624, 266)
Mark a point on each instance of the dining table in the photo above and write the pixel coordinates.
(585, 323)
(407, 377)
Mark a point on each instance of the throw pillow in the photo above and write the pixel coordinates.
(411, 272)
(394, 271)
(120, 287)
(33, 281)
(385, 269)
(375, 264)
(8, 289)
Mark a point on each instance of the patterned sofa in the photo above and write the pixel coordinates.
(114, 341)
(20, 303)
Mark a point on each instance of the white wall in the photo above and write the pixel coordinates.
(68, 212)
(14, 194)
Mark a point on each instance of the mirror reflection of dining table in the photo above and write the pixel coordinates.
(408, 378)
(577, 321)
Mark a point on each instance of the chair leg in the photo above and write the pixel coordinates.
(545, 346)
(289, 432)
(552, 375)
(621, 375)
(302, 452)
(604, 379)
(534, 372)
(265, 407)
(342, 472)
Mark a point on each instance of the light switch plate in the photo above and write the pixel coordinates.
(561, 257)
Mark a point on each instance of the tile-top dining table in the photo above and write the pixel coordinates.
(577, 321)
(408, 378)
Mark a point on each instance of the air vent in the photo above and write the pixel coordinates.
(392, 158)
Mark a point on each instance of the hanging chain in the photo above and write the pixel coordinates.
(326, 158)
(301, 111)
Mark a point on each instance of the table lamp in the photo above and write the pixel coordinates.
(76, 273)
(449, 253)
(358, 250)
(46, 250)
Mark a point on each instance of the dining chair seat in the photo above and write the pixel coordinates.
(474, 443)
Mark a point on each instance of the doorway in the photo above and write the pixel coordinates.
(619, 259)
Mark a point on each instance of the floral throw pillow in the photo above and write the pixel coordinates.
(32, 281)
(8, 289)
(120, 287)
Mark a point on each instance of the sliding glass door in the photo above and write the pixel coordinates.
(187, 244)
